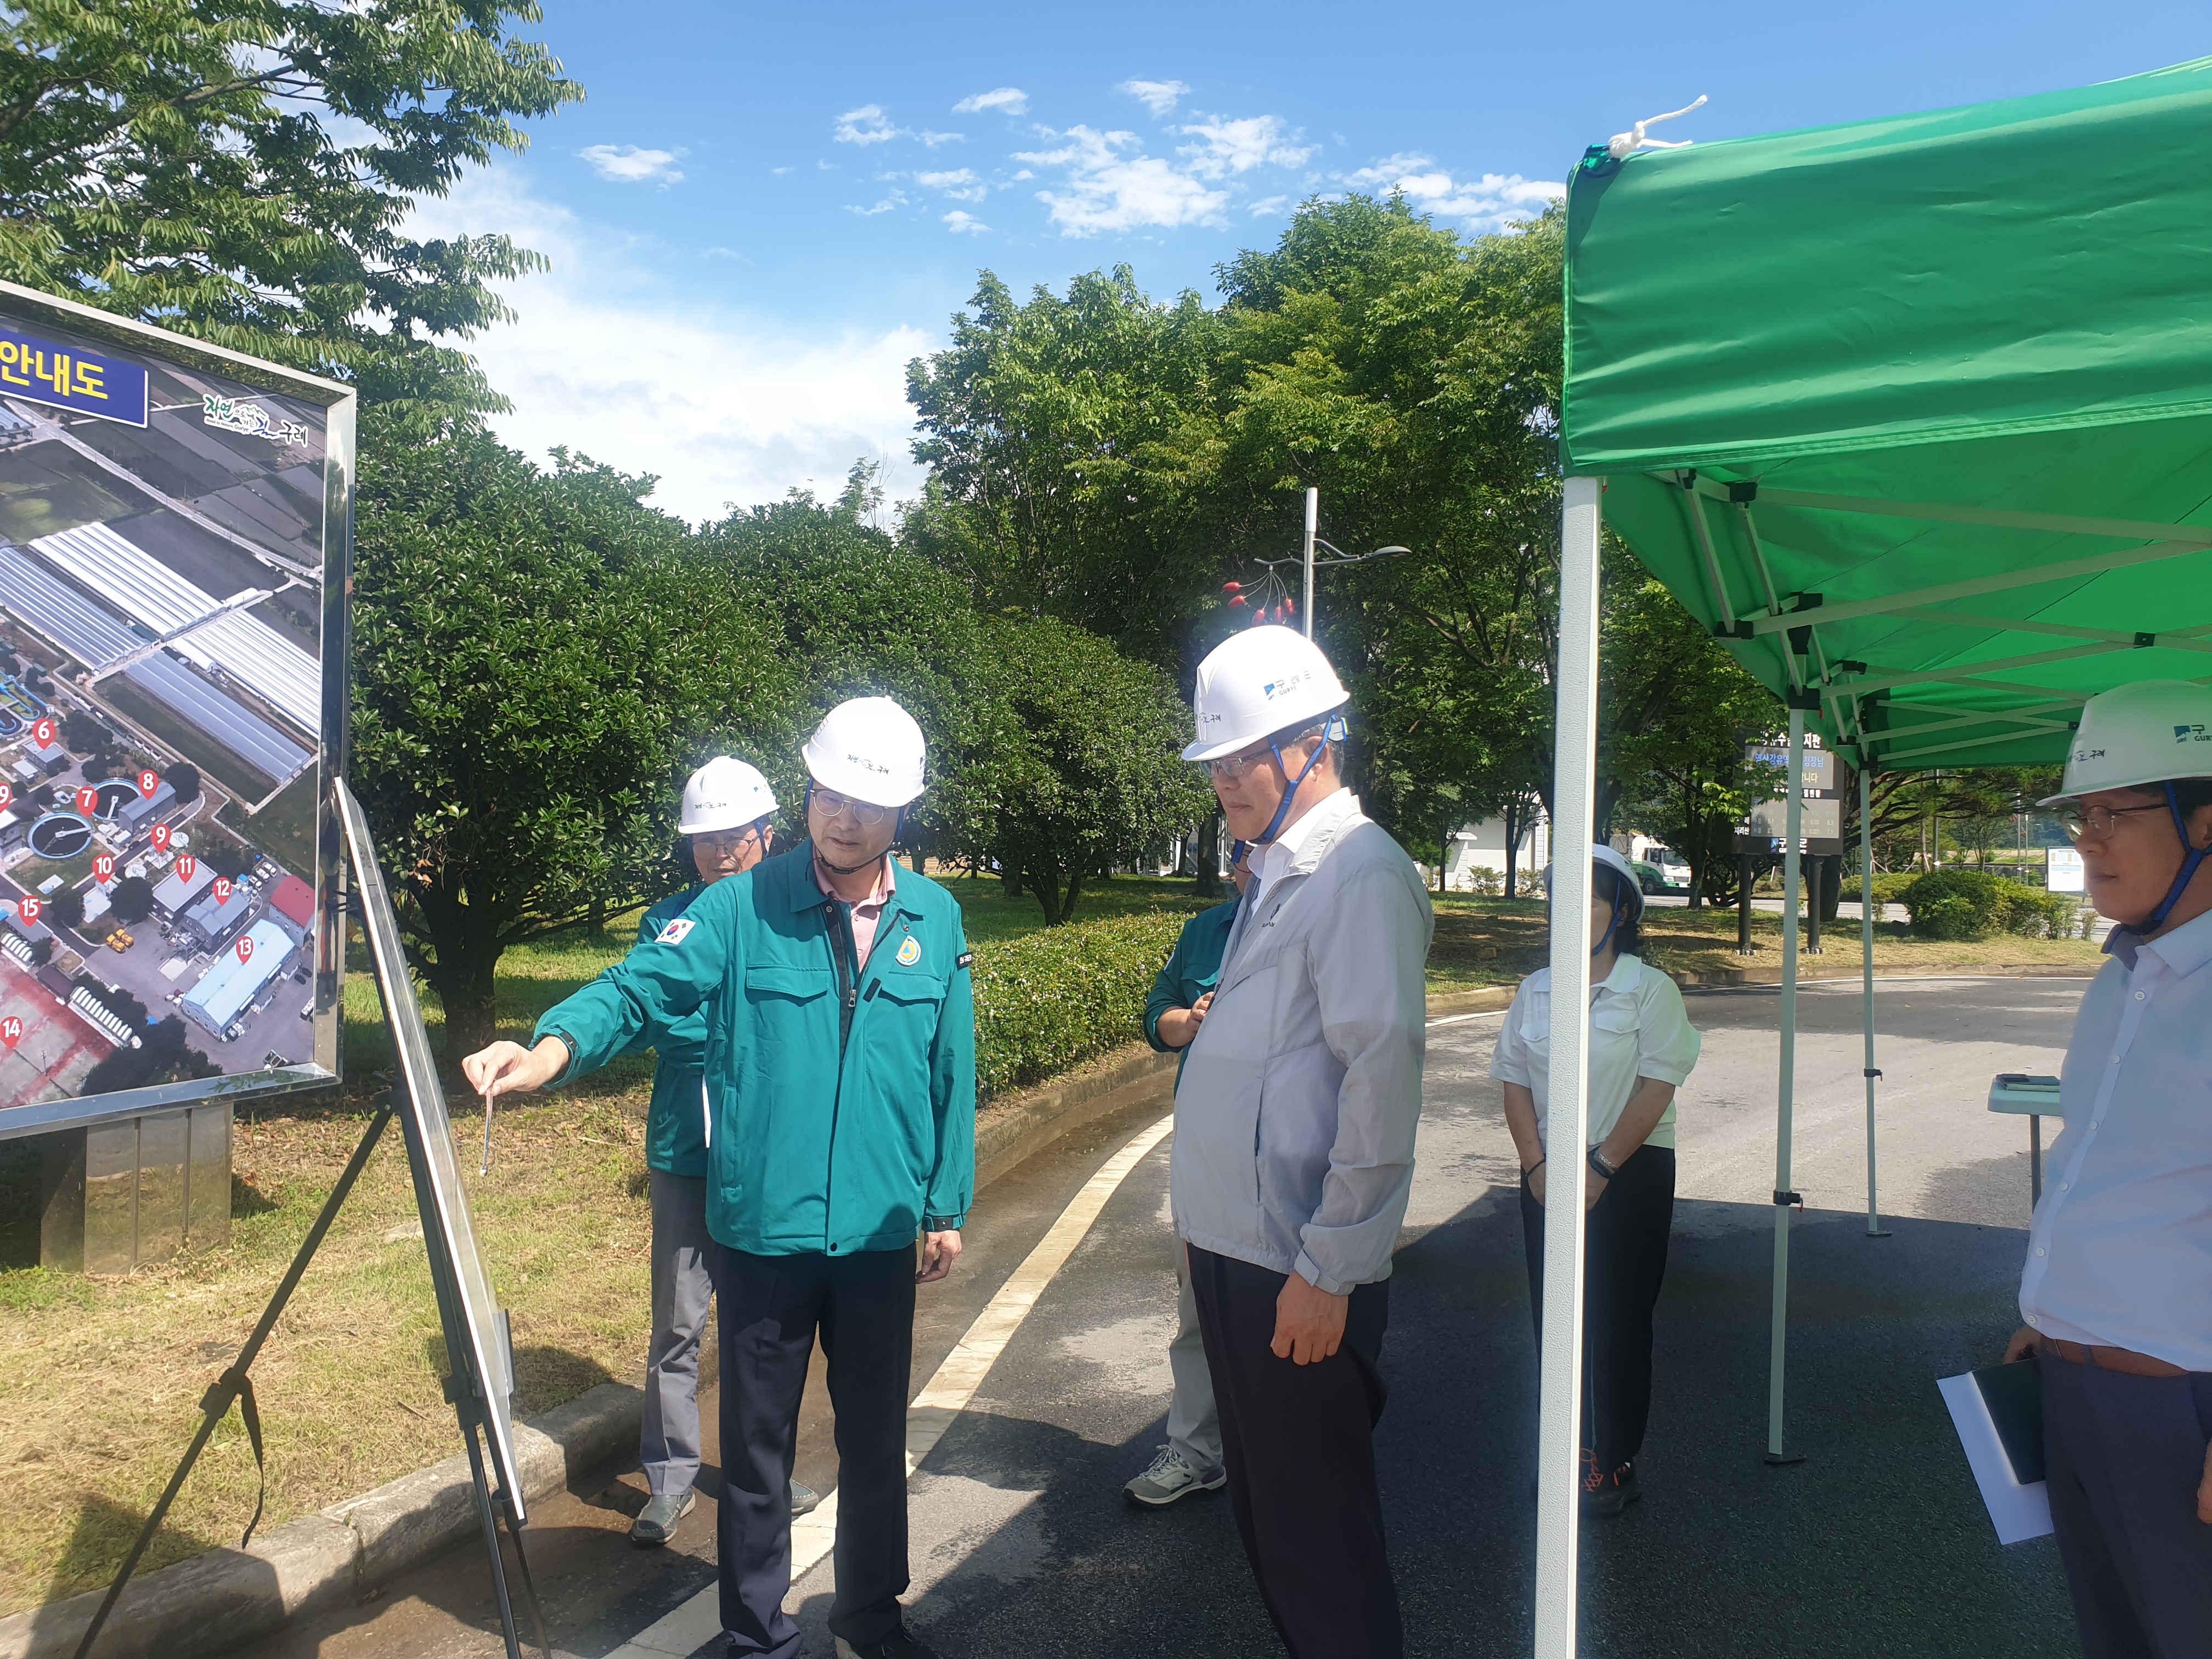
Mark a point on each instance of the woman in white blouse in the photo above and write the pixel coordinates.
(1642, 1048)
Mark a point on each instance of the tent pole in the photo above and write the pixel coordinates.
(1784, 1198)
(1558, 1446)
(1867, 902)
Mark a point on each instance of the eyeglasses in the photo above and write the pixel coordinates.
(832, 806)
(2097, 821)
(1231, 768)
(717, 841)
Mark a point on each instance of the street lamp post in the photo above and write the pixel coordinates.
(1310, 544)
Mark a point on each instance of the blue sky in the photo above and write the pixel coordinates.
(761, 214)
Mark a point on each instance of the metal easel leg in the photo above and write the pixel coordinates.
(471, 1423)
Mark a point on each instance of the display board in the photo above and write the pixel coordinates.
(173, 533)
(1820, 821)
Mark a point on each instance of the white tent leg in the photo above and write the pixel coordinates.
(1574, 788)
(1784, 1198)
(1875, 1228)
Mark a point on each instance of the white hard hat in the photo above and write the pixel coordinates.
(1601, 854)
(726, 793)
(1256, 683)
(870, 750)
(2139, 734)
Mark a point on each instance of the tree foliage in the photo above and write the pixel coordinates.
(1094, 776)
(534, 654)
(242, 170)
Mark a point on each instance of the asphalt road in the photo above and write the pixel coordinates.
(1875, 1543)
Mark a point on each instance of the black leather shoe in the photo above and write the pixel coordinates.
(899, 1645)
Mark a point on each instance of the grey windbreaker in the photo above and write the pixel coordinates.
(1296, 1110)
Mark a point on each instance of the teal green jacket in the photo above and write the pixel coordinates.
(819, 1146)
(676, 1125)
(1194, 969)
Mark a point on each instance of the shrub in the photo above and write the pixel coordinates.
(1889, 886)
(1051, 999)
(1949, 904)
(1486, 883)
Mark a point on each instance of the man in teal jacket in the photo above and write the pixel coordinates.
(1191, 1460)
(727, 824)
(841, 1079)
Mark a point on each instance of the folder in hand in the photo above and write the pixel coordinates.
(1997, 1410)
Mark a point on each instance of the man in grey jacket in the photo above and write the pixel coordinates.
(1295, 1117)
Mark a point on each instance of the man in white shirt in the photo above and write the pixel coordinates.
(1288, 1216)
(2117, 1287)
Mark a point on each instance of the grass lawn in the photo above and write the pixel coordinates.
(1500, 941)
(101, 1393)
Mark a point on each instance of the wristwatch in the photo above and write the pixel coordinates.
(1603, 1168)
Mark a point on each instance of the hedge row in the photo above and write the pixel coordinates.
(1968, 905)
(1051, 1000)
(1889, 885)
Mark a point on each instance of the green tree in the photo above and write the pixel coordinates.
(535, 653)
(241, 170)
(132, 901)
(851, 614)
(1098, 777)
(1064, 439)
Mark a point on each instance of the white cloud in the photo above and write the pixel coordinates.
(1489, 201)
(626, 164)
(1011, 100)
(1272, 204)
(1226, 146)
(895, 199)
(1109, 190)
(961, 185)
(964, 223)
(1157, 96)
(867, 125)
(614, 356)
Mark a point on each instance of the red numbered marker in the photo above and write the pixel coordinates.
(187, 866)
(87, 801)
(28, 908)
(161, 837)
(245, 949)
(42, 733)
(7, 794)
(148, 783)
(11, 1030)
(223, 889)
(103, 867)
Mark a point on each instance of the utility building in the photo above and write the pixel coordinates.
(174, 892)
(212, 922)
(228, 989)
(292, 907)
(140, 811)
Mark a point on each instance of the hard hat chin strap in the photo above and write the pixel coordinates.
(2192, 856)
(1332, 732)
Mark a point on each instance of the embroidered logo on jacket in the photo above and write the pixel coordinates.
(674, 932)
(909, 951)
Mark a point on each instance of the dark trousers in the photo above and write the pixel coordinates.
(2123, 1455)
(1298, 1443)
(1624, 1263)
(771, 1307)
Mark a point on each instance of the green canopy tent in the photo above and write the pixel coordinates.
(1916, 415)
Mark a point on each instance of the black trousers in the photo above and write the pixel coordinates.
(1298, 1443)
(1624, 1265)
(2123, 1455)
(771, 1306)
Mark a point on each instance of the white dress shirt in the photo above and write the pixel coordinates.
(2120, 1253)
(1273, 861)
(1638, 1028)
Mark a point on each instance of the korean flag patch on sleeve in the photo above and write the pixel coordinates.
(674, 932)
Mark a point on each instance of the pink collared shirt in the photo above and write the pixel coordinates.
(870, 910)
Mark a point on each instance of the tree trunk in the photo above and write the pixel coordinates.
(1074, 892)
(1209, 856)
(1010, 874)
(1041, 877)
(1512, 843)
(464, 980)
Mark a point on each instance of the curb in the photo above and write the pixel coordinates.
(1691, 979)
(225, 1597)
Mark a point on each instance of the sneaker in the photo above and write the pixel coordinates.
(1608, 1494)
(1170, 1477)
(656, 1523)
(899, 1645)
(805, 1500)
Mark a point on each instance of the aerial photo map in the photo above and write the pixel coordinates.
(161, 713)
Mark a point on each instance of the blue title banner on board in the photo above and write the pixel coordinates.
(69, 376)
